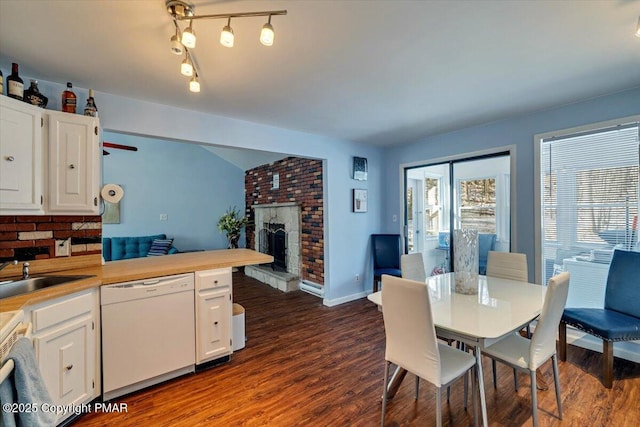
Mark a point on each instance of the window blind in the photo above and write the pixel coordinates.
(589, 185)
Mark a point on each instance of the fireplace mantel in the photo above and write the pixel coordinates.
(275, 205)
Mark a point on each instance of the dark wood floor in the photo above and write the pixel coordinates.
(305, 364)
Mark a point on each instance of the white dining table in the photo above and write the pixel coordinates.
(501, 307)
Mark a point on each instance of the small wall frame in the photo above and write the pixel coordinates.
(360, 168)
(359, 200)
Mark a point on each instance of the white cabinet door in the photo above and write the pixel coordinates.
(213, 314)
(65, 357)
(66, 346)
(20, 158)
(214, 326)
(74, 164)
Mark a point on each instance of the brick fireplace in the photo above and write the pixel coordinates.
(299, 184)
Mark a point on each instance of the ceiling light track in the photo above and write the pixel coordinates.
(185, 40)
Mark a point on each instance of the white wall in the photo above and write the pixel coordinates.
(347, 251)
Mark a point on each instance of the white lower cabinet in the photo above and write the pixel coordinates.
(213, 314)
(66, 346)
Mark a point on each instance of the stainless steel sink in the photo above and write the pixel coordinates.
(10, 288)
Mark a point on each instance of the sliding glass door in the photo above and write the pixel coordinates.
(465, 193)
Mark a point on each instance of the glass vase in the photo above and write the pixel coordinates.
(465, 258)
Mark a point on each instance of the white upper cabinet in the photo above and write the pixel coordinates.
(21, 172)
(49, 161)
(73, 163)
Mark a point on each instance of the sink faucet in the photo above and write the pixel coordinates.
(4, 264)
(25, 270)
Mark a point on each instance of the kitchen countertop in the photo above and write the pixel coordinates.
(136, 269)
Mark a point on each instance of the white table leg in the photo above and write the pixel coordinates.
(483, 402)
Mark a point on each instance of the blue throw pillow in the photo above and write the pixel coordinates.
(160, 247)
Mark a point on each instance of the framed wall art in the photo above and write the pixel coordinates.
(359, 200)
(360, 168)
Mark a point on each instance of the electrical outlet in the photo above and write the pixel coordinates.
(164, 217)
(357, 277)
(63, 247)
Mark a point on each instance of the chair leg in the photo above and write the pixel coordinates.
(607, 363)
(375, 284)
(562, 333)
(515, 379)
(384, 391)
(439, 407)
(417, 386)
(556, 379)
(495, 380)
(534, 398)
(466, 389)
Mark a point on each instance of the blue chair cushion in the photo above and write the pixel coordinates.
(623, 283)
(390, 271)
(486, 243)
(106, 248)
(609, 325)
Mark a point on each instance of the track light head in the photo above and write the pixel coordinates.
(176, 46)
(638, 28)
(226, 37)
(194, 84)
(189, 37)
(267, 34)
(186, 68)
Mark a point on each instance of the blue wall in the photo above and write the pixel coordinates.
(193, 186)
(518, 131)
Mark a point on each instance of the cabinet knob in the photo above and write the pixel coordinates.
(215, 323)
(10, 158)
(71, 166)
(69, 367)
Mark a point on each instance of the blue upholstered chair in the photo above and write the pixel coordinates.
(620, 318)
(387, 249)
(486, 243)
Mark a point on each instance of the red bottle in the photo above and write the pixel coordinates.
(69, 100)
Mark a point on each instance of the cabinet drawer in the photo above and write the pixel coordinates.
(208, 279)
(62, 310)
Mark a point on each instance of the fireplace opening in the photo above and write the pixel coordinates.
(273, 241)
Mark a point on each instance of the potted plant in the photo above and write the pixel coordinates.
(231, 223)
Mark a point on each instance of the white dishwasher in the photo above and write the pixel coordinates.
(148, 333)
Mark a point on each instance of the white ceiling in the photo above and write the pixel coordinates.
(377, 72)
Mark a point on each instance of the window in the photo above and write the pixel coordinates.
(589, 195)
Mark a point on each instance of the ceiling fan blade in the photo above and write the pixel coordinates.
(119, 146)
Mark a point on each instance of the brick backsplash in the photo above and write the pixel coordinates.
(25, 237)
(300, 182)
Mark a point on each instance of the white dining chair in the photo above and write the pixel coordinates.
(412, 267)
(411, 341)
(507, 265)
(528, 355)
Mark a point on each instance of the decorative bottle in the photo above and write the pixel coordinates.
(90, 109)
(15, 85)
(33, 95)
(69, 99)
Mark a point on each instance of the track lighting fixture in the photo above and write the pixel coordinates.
(226, 37)
(186, 68)
(186, 40)
(266, 35)
(638, 28)
(189, 37)
(194, 84)
(176, 46)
